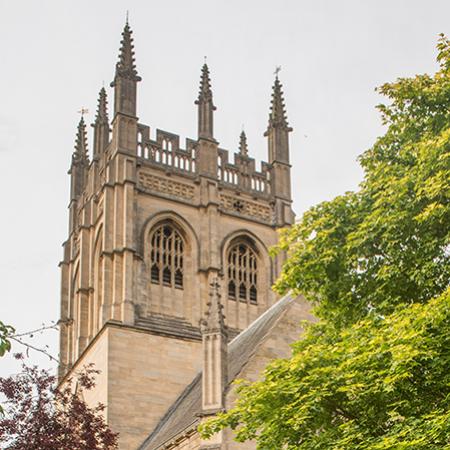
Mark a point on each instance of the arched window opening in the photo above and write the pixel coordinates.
(242, 274)
(167, 257)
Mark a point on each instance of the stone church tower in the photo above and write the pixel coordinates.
(151, 226)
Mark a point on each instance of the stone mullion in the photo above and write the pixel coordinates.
(172, 260)
(246, 272)
(161, 256)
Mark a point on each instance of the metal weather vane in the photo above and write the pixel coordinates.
(83, 111)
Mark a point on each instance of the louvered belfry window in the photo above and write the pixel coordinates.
(167, 254)
(242, 274)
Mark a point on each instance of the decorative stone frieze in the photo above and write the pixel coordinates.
(245, 207)
(153, 183)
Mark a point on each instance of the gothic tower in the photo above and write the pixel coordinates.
(151, 225)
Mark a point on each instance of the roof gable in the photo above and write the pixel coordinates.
(184, 412)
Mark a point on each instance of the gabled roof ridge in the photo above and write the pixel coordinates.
(171, 409)
(284, 301)
(269, 318)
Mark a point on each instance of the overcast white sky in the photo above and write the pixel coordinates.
(56, 54)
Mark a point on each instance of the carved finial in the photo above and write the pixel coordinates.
(205, 92)
(277, 116)
(102, 109)
(101, 125)
(205, 106)
(126, 67)
(214, 319)
(243, 148)
(80, 154)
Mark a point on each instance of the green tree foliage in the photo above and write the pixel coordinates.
(374, 373)
(5, 343)
(379, 384)
(388, 243)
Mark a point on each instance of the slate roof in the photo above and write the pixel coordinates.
(184, 411)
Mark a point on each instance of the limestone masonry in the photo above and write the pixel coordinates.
(165, 279)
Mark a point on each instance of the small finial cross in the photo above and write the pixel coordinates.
(127, 16)
(277, 70)
(205, 59)
(83, 111)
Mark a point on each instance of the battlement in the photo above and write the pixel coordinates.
(165, 152)
(243, 174)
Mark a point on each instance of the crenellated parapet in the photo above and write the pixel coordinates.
(165, 152)
(242, 174)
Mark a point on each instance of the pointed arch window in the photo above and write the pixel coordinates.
(242, 273)
(167, 256)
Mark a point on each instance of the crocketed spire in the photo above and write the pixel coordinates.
(126, 66)
(205, 106)
(126, 77)
(80, 155)
(215, 349)
(205, 93)
(243, 148)
(277, 134)
(277, 116)
(102, 108)
(101, 125)
(214, 320)
(80, 162)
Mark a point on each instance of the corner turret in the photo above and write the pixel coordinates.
(277, 134)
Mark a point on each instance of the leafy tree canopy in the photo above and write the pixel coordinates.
(374, 372)
(379, 384)
(5, 343)
(39, 415)
(387, 243)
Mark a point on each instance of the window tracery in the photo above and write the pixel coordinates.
(167, 256)
(242, 273)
